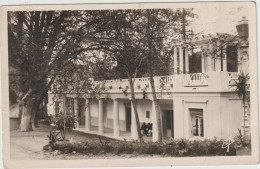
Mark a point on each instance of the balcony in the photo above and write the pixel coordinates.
(195, 82)
(212, 81)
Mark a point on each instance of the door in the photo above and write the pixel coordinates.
(167, 123)
(128, 118)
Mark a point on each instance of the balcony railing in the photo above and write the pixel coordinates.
(232, 77)
(196, 79)
(183, 82)
(162, 83)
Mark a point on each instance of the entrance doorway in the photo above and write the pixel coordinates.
(167, 123)
(128, 118)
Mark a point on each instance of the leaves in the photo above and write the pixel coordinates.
(242, 87)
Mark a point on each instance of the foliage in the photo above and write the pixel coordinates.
(241, 140)
(68, 121)
(173, 147)
(63, 122)
(54, 137)
(243, 91)
(41, 45)
(242, 87)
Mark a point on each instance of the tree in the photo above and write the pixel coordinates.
(160, 23)
(138, 44)
(41, 44)
(122, 43)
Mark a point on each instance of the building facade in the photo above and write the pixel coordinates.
(193, 105)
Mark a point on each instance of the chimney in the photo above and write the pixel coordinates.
(242, 28)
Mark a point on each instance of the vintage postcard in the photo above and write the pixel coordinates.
(128, 85)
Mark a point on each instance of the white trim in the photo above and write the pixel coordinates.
(187, 116)
(196, 101)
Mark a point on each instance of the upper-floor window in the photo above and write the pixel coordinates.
(232, 65)
(195, 63)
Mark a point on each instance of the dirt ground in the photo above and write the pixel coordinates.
(29, 145)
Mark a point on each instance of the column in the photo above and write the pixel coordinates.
(175, 61)
(76, 110)
(225, 58)
(116, 118)
(186, 60)
(210, 57)
(218, 57)
(181, 60)
(100, 116)
(155, 124)
(202, 63)
(134, 134)
(87, 115)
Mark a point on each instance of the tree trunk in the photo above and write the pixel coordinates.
(149, 65)
(33, 118)
(133, 100)
(157, 108)
(35, 115)
(25, 124)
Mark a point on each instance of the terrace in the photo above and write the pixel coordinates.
(204, 82)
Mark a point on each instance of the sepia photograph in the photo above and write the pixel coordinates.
(139, 82)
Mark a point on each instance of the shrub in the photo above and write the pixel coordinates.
(62, 122)
(178, 147)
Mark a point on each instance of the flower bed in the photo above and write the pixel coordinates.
(176, 147)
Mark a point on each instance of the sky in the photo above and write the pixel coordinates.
(216, 19)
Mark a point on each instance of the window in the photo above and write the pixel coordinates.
(148, 114)
(195, 63)
(197, 122)
(232, 64)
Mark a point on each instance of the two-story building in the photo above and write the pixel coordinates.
(193, 105)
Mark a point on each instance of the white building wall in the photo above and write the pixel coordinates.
(142, 107)
(222, 115)
(235, 116)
